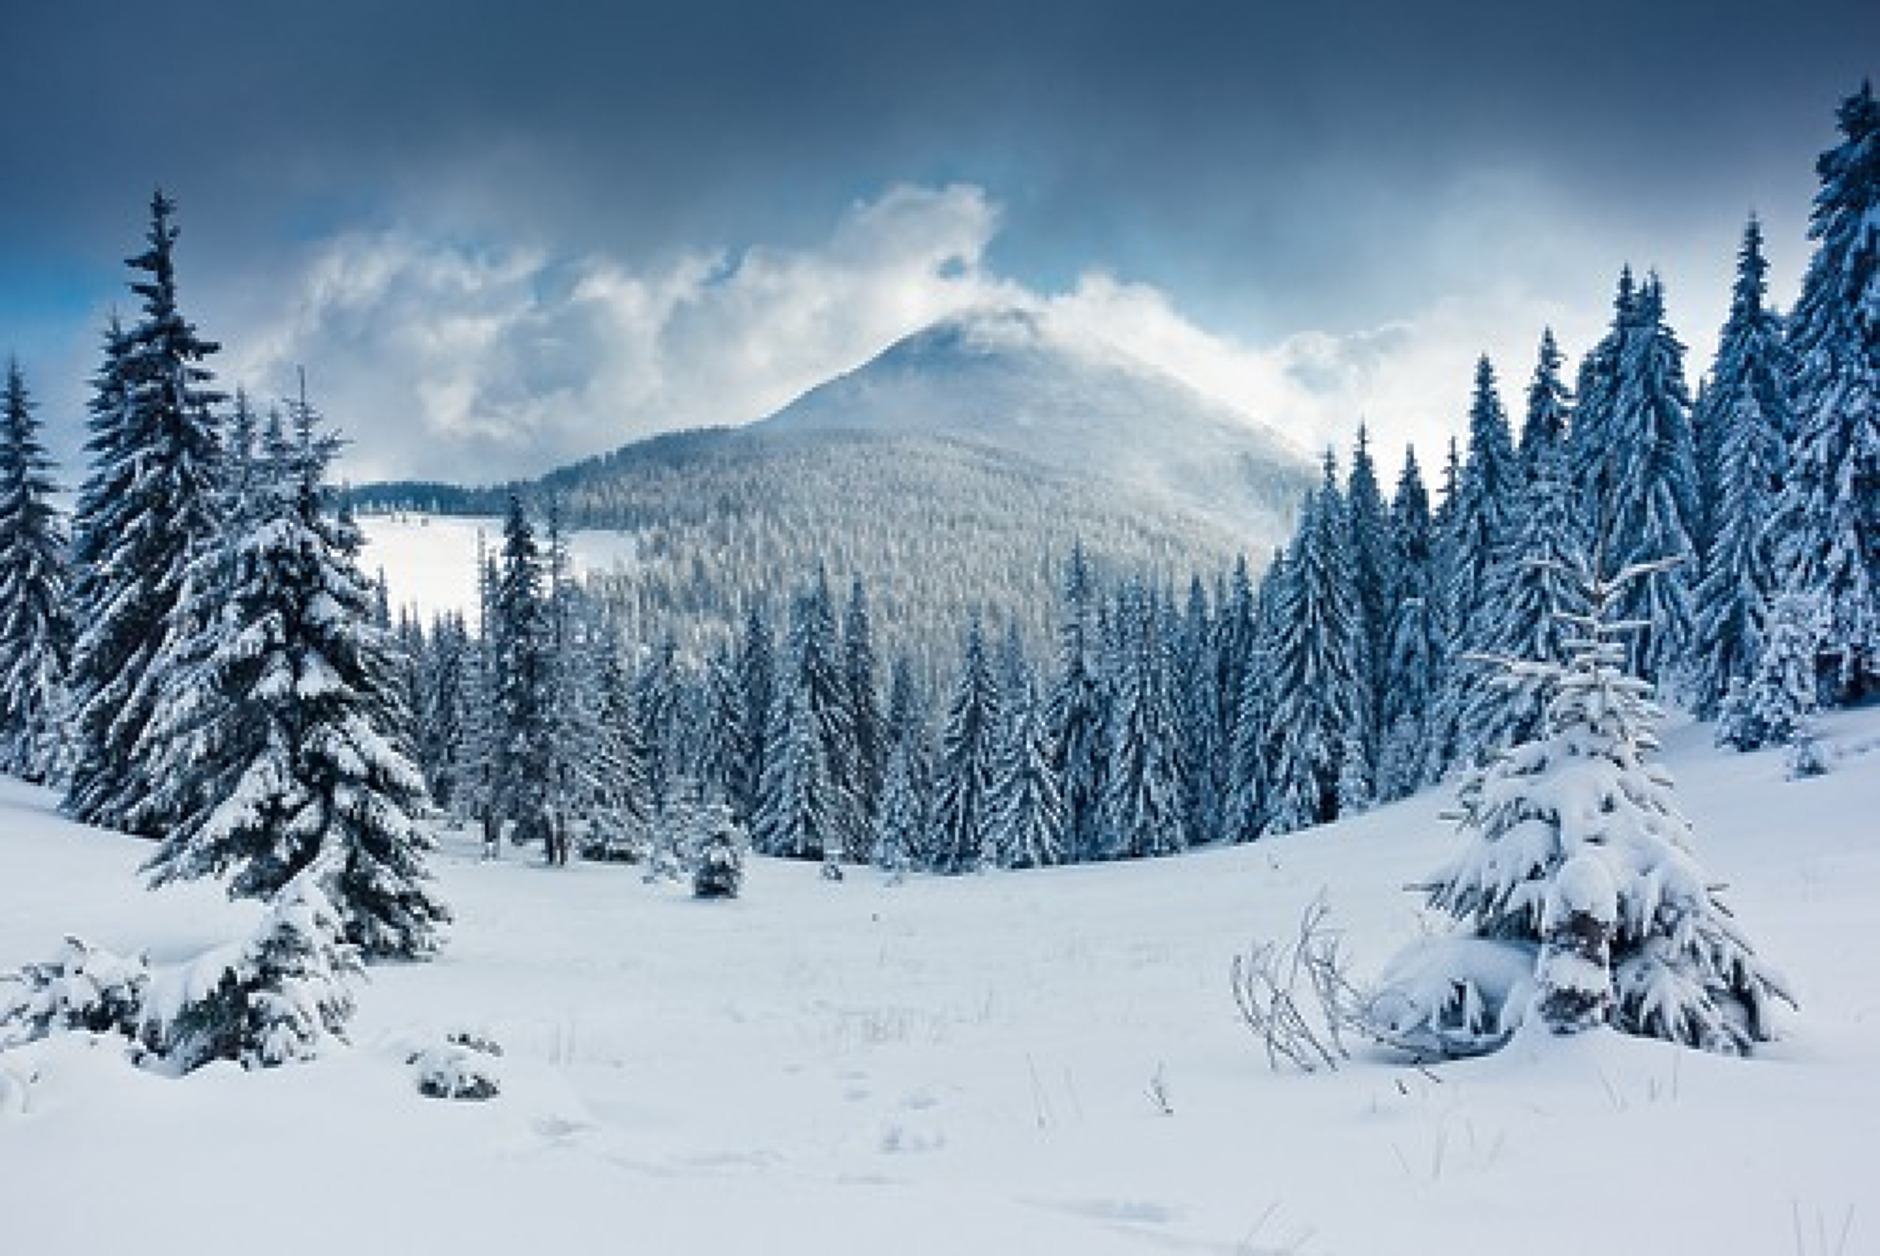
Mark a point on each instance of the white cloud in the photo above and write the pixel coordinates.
(439, 360)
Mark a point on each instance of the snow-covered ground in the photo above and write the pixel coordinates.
(430, 561)
(966, 1065)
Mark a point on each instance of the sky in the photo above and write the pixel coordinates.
(503, 236)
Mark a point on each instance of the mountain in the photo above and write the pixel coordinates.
(1012, 380)
(953, 472)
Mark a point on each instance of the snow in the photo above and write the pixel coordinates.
(1045, 1062)
(430, 561)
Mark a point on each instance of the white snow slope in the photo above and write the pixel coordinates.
(953, 1066)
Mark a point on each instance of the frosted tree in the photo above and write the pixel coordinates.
(1372, 573)
(1549, 407)
(522, 659)
(965, 774)
(901, 828)
(1830, 507)
(756, 690)
(1143, 812)
(1535, 593)
(147, 507)
(1480, 525)
(1410, 751)
(1580, 899)
(1636, 465)
(35, 632)
(1198, 711)
(1250, 744)
(864, 710)
(1776, 703)
(1744, 417)
(1076, 713)
(1027, 807)
(1319, 667)
(289, 723)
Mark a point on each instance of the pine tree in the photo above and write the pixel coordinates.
(1143, 815)
(1197, 707)
(864, 713)
(1775, 703)
(521, 749)
(289, 720)
(1593, 442)
(35, 634)
(1744, 420)
(145, 510)
(1027, 808)
(756, 680)
(1579, 868)
(1534, 594)
(1549, 407)
(963, 797)
(1250, 744)
(1411, 754)
(901, 828)
(1371, 570)
(1077, 712)
(1319, 668)
(1830, 509)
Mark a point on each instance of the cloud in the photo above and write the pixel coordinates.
(445, 360)
(481, 363)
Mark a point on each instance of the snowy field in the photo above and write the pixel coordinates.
(430, 561)
(1043, 1062)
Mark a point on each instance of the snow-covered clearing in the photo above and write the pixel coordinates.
(430, 561)
(971, 1065)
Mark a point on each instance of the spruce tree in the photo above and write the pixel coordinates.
(1744, 418)
(1578, 868)
(146, 509)
(1410, 754)
(963, 795)
(1251, 742)
(864, 712)
(1319, 669)
(1077, 712)
(35, 633)
(1027, 808)
(1371, 570)
(521, 747)
(1143, 813)
(1830, 509)
(1549, 407)
(289, 721)
(756, 691)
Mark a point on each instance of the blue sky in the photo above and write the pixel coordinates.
(500, 236)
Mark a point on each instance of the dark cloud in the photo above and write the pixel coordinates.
(1276, 167)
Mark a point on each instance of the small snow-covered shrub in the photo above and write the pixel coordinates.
(282, 995)
(1452, 997)
(718, 867)
(463, 1066)
(82, 988)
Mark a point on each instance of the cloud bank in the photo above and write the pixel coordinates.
(479, 363)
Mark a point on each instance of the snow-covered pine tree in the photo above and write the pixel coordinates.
(444, 697)
(1197, 712)
(1578, 870)
(522, 741)
(1319, 669)
(1143, 815)
(901, 828)
(1077, 713)
(1481, 524)
(147, 507)
(1410, 755)
(1251, 742)
(1535, 593)
(1592, 439)
(35, 632)
(1830, 510)
(1549, 407)
(864, 711)
(289, 720)
(756, 682)
(1776, 703)
(1371, 570)
(1744, 422)
(1027, 808)
(963, 793)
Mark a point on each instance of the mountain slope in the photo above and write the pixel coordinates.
(953, 473)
